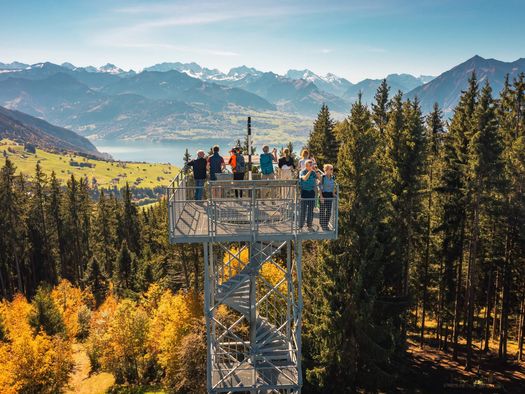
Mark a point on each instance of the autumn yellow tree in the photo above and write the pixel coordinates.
(177, 316)
(31, 361)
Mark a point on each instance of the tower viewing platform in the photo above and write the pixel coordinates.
(246, 210)
(252, 233)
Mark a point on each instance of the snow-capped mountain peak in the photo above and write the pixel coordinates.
(110, 69)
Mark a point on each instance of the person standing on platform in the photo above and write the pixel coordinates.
(327, 189)
(216, 166)
(266, 161)
(305, 155)
(238, 166)
(199, 173)
(307, 182)
(286, 165)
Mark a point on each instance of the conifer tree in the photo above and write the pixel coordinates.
(123, 267)
(56, 225)
(104, 237)
(350, 343)
(434, 138)
(403, 161)
(322, 142)
(380, 107)
(96, 281)
(11, 232)
(42, 264)
(453, 187)
(45, 315)
(130, 222)
(484, 172)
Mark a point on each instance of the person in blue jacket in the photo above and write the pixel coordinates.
(308, 183)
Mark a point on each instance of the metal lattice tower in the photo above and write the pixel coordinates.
(252, 278)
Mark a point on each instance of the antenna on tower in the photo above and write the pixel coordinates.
(249, 140)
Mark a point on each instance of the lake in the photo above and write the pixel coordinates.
(160, 152)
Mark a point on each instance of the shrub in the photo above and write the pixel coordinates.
(45, 316)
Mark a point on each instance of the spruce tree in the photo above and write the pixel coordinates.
(11, 232)
(381, 107)
(350, 342)
(453, 194)
(56, 225)
(45, 315)
(322, 142)
(96, 281)
(42, 263)
(484, 172)
(123, 267)
(435, 130)
(130, 222)
(104, 234)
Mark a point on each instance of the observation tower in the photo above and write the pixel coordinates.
(252, 276)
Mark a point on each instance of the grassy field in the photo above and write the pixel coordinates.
(106, 174)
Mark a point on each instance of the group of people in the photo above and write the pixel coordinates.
(311, 178)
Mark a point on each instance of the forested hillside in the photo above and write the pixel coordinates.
(430, 260)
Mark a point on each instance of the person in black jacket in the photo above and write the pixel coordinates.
(199, 173)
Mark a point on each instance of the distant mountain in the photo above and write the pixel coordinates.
(396, 82)
(175, 85)
(446, 88)
(24, 128)
(290, 95)
(191, 69)
(330, 83)
(40, 71)
(14, 66)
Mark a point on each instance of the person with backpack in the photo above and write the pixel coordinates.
(266, 161)
(199, 173)
(327, 189)
(238, 166)
(308, 183)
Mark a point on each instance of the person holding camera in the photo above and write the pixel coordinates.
(308, 183)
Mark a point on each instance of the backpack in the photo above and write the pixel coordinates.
(240, 166)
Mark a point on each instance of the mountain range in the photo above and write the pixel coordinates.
(177, 100)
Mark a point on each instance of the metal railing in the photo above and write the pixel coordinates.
(242, 207)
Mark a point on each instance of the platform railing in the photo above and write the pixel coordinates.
(260, 206)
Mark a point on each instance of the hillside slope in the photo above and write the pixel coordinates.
(100, 173)
(24, 128)
(446, 88)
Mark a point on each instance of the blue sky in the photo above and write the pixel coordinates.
(354, 39)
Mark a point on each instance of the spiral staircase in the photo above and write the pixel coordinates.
(252, 351)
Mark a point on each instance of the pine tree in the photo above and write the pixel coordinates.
(72, 234)
(434, 138)
(130, 222)
(381, 107)
(403, 161)
(45, 315)
(56, 225)
(453, 190)
(484, 171)
(350, 343)
(123, 267)
(96, 281)
(104, 236)
(322, 142)
(11, 232)
(511, 118)
(42, 263)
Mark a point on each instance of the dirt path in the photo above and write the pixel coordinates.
(81, 381)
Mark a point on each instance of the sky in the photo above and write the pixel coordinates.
(353, 39)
